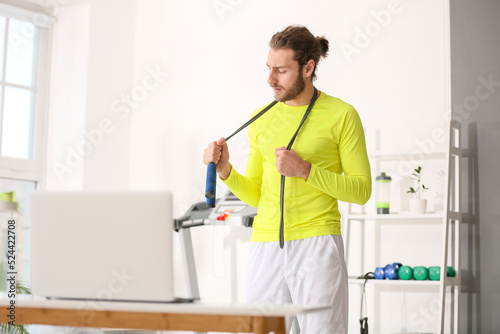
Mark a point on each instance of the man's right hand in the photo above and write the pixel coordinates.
(218, 153)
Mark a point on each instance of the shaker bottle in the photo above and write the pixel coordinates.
(383, 193)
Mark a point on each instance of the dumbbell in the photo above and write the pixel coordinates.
(405, 273)
(435, 273)
(390, 271)
(420, 273)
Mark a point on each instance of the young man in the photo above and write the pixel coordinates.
(327, 162)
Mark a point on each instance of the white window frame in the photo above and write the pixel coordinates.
(33, 169)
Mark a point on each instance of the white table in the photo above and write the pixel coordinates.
(202, 317)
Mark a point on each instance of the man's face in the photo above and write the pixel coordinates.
(285, 75)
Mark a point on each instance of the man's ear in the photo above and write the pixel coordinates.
(308, 68)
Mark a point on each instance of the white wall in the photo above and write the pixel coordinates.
(68, 97)
(209, 59)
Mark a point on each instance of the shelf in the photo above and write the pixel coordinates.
(450, 218)
(450, 281)
(388, 156)
(355, 280)
(394, 216)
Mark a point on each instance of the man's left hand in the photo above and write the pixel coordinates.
(289, 163)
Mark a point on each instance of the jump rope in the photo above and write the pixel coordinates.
(212, 173)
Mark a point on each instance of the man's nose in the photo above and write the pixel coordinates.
(271, 79)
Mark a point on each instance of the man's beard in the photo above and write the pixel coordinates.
(296, 90)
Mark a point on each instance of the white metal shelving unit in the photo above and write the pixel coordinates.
(450, 220)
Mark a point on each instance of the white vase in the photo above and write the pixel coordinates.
(417, 205)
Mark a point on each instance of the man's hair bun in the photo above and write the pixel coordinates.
(324, 45)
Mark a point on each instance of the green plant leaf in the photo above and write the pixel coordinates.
(17, 329)
(22, 289)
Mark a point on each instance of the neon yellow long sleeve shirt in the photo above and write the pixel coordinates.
(332, 140)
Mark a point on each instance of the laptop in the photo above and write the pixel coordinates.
(112, 246)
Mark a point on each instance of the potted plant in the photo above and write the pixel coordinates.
(417, 204)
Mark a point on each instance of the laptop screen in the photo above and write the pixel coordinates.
(102, 245)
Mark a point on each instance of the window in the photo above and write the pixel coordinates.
(19, 43)
(23, 95)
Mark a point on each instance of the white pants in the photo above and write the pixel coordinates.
(306, 271)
